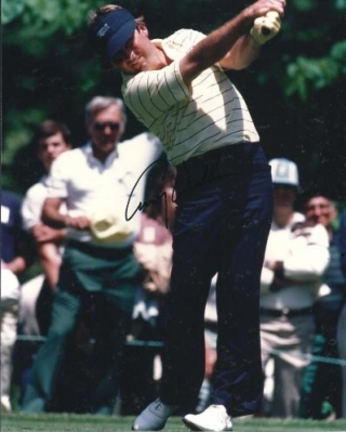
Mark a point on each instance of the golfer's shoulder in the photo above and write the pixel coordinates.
(184, 38)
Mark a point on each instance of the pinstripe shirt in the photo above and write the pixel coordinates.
(189, 121)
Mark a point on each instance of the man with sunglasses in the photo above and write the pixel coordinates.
(99, 272)
(177, 87)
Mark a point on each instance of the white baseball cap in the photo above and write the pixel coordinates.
(284, 172)
(109, 228)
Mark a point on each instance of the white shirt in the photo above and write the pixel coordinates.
(33, 202)
(115, 187)
(305, 254)
(10, 288)
(210, 312)
(189, 121)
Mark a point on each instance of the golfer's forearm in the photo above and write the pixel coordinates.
(242, 54)
(214, 47)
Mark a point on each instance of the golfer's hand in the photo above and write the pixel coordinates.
(266, 27)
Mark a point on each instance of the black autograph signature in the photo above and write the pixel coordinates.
(211, 172)
(142, 206)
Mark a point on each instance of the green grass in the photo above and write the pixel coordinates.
(92, 423)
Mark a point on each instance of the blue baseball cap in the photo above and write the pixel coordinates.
(112, 30)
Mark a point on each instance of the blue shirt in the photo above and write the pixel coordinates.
(11, 225)
(342, 241)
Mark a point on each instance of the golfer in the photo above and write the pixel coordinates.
(178, 89)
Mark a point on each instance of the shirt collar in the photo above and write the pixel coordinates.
(88, 150)
(171, 48)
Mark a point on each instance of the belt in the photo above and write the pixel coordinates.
(286, 312)
(214, 165)
(99, 251)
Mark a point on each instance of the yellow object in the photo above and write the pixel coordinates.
(109, 229)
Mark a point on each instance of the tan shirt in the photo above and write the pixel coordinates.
(189, 121)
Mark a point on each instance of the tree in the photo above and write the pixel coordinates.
(296, 89)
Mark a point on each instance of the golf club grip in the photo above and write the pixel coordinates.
(265, 30)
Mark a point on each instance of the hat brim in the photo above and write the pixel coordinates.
(119, 39)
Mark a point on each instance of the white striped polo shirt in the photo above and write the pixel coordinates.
(189, 121)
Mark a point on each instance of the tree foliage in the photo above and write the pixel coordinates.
(295, 90)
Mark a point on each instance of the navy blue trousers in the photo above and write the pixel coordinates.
(224, 210)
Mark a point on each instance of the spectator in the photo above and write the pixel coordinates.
(321, 394)
(296, 256)
(51, 139)
(210, 336)
(342, 318)
(102, 184)
(16, 256)
(153, 250)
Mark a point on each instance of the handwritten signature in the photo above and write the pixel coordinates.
(208, 174)
(161, 197)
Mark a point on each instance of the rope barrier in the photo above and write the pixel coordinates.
(159, 344)
(135, 343)
(311, 357)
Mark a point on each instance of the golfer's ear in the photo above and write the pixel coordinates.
(142, 29)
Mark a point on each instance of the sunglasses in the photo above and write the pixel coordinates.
(101, 126)
(123, 53)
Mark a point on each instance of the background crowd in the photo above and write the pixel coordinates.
(86, 333)
(301, 70)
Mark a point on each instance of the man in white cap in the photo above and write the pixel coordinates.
(295, 258)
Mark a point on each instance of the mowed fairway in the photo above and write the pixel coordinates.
(88, 423)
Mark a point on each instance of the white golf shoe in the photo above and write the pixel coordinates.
(5, 404)
(154, 417)
(214, 418)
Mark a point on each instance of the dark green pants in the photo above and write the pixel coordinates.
(87, 274)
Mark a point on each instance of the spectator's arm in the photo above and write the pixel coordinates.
(309, 257)
(45, 234)
(48, 241)
(51, 214)
(267, 278)
(50, 259)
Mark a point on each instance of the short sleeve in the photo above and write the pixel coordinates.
(57, 180)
